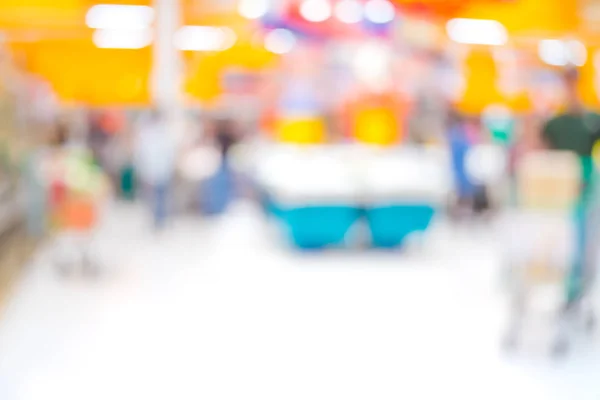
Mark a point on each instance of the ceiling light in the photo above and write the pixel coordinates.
(380, 11)
(477, 31)
(280, 41)
(253, 9)
(204, 38)
(229, 38)
(371, 64)
(315, 10)
(349, 11)
(553, 52)
(125, 17)
(121, 39)
(561, 53)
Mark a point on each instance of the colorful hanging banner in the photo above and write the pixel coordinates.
(291, 17)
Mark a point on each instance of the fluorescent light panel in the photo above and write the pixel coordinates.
(204, 38)
(561, 53)
(121, 39)
(253, 9)
(477, 31)
(123, 17)
(280, 41)
(380, 11)
(315, 10)
(349, 11)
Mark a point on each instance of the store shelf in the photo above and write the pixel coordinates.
(15, 245)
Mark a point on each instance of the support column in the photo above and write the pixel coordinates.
(167, 74)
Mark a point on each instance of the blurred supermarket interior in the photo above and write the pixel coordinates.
(299, 199)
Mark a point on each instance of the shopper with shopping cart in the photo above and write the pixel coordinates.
(77, 190)
(553, 257)
(577, 130)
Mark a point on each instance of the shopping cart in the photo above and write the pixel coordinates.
(77, 192)
(545, 248)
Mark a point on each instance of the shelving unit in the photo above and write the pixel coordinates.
(9, 144)
(16, 137)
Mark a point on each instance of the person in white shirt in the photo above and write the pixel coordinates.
(155, 154)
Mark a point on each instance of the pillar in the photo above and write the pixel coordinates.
(167, 76)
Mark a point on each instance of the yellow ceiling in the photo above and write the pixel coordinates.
(26, 20)
(52, 39)
(67, 17)
(530, 17)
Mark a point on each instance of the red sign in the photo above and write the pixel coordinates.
(439, 8)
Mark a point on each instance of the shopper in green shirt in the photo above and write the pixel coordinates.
(577, 130)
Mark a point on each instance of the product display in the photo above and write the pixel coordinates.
(320, 193)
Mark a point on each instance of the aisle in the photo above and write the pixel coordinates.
(214, 310)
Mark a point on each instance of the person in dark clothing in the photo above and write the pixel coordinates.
(459, 146)
(226, 136)
(61, 136)
(218, 191)
(577, 130)
(96, 138)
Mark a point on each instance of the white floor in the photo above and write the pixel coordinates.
(217, 310)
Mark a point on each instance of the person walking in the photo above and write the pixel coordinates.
(155, 162)
(217, 192)
(578, 130)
